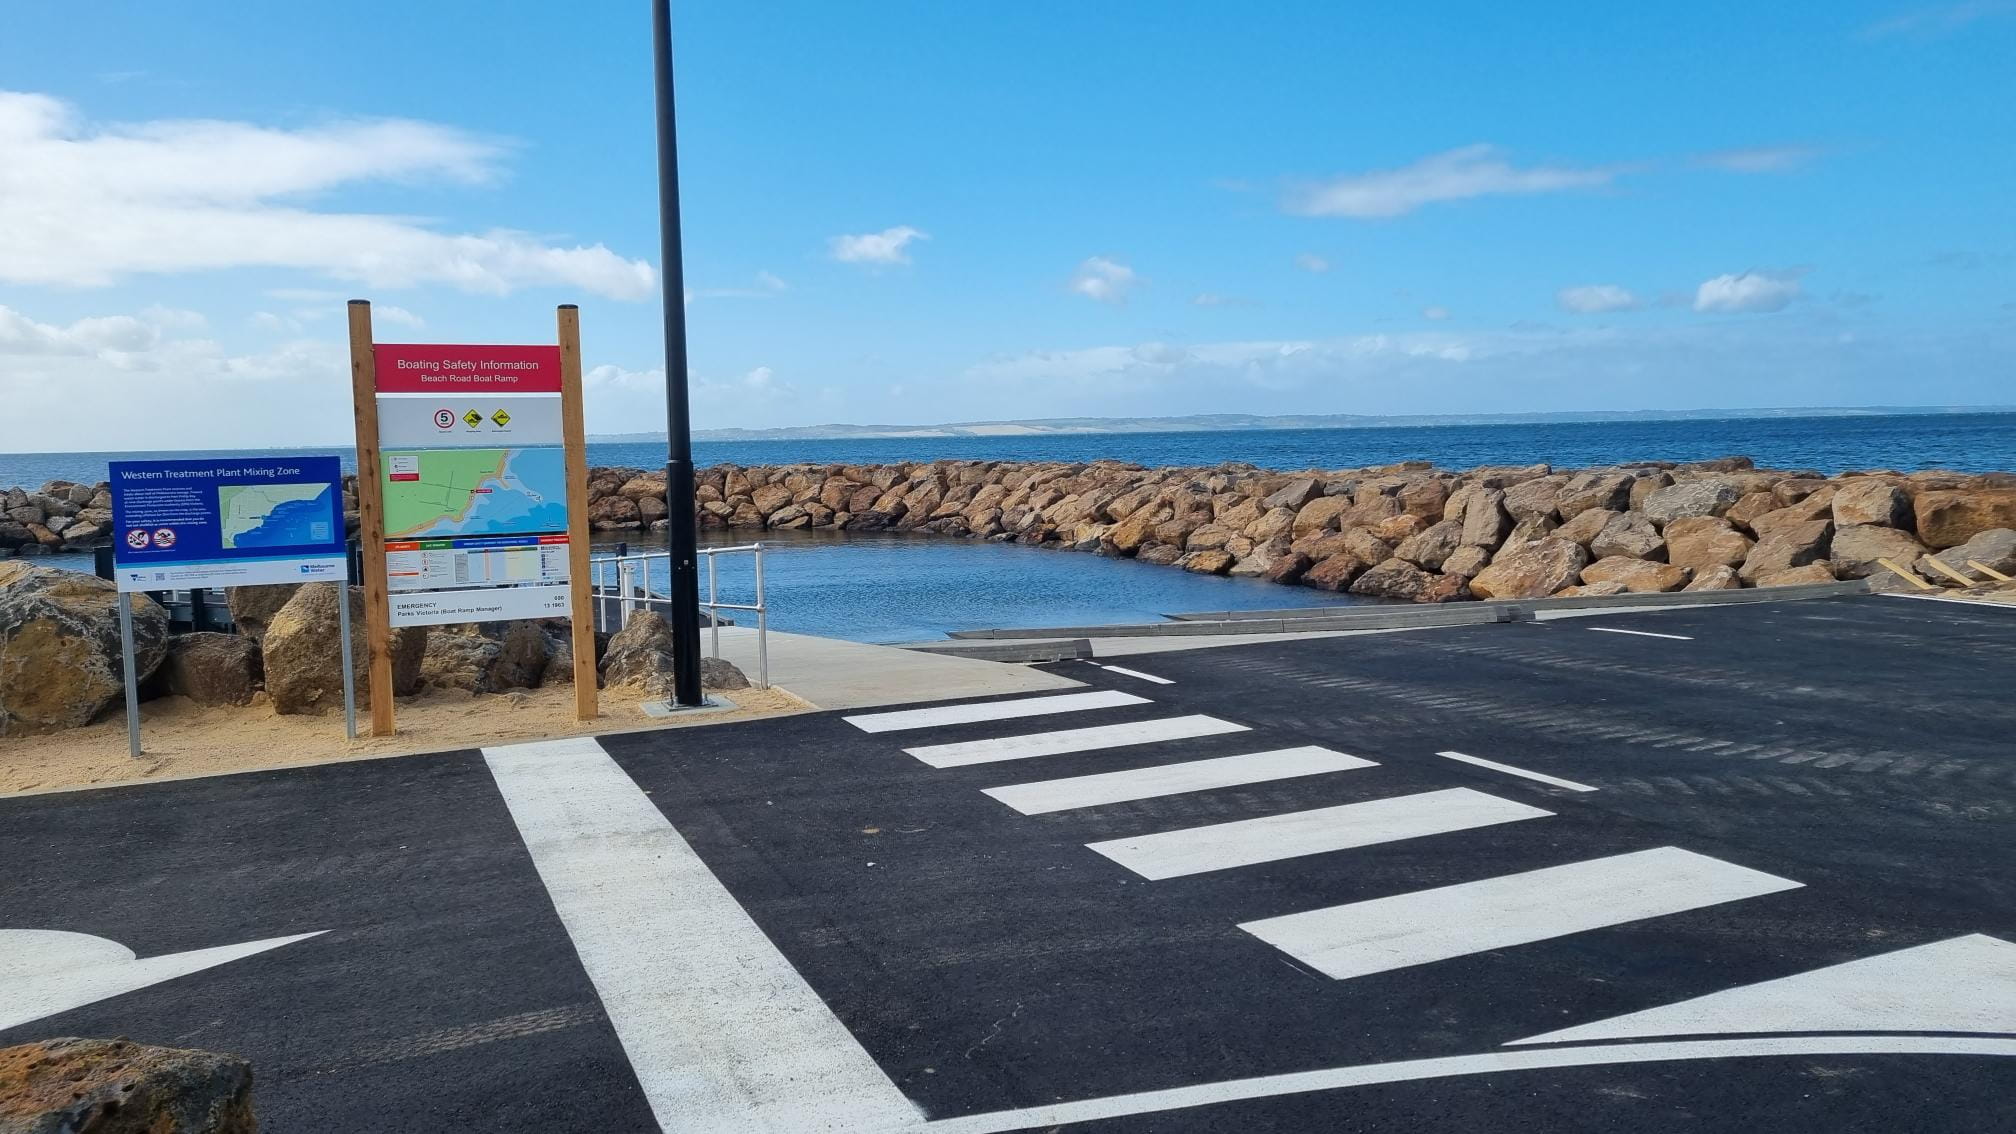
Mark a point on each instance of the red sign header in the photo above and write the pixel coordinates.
(407, 368)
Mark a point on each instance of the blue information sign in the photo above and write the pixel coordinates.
(227, 522)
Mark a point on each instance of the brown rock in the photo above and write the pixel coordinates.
(1127, 536)
(1994, 549)
(1274, 522)
(1639, 576)
(96, 1086)
(61, 663)
(1695, 498)
(1394, 529)
(1794, 489)
(1787, 546)
(1367, 547)
(1721, 578)
(1631, 535)
(213, 669)
(1534, 499)
(1590, 590)
(302, 653)
(640, 655)
(1817, 506)
(1216, 561)
(1705, 541)
(1394, 579)
(1484, 519)
(1209, 537)
(1950, 517)
(1334, 573)
(1530, 529)
(1531, 570)
(1445, 588)
(1320, 514)
(1816, 572)
(1586, 490)
(1287, 567)
(771, 497)
(1424, 497)
(1466, 562)
(1871, 502)
(1857, 547)
(1432, 546)
(1586, 526)
(1294, 494)
(1161, 554)
(1644, 485)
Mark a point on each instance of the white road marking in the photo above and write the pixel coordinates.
(1452, 921)
(1454, 1066)
(1070, 740)
(1639, 633)
(1495, 766)
(1245, 842)
(722, 1033)
(992, 711)
(1962, 984)
(47, 971)
(1124, 671)
(1173, 779)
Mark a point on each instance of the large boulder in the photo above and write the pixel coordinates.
(99, 1086)
(1432, 546)
(1534, 499)
(1720, 578)
(1320, 514)
(302, 653)
(1639, 576)
(1586, 490)
(1816, 572)
(1818, 506)
(1871, 502)
(1532, 570)
(1294, 494)
(1857, 547)
(640, 658)
(1705, 541)
(213, 669)
(1994, 549)
(1484, 518)
(1631, 535)
(60, 658)
(253, 607)
(1586, 525)
(1334, 573)
(1788, 546)
(1393, 579)
(1695, 498)
(1466, 562)
(1950, 517)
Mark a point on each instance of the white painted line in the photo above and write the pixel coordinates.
(1245, 842)
(1639, 633)
(1452, 921)
(1961, 984)
(1173, 779)
(44, 972)
(721, 1031)
(992, 711)
(1070, 740)
(1124, 671)
(1508, 769)
(1977, 604)
(1455, 1066)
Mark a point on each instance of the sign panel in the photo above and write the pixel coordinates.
(227, 522)
(473, 482)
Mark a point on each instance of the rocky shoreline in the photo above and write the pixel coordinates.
(1409, 531)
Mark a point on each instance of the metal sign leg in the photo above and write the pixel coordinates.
(132, 678)
(349, 666)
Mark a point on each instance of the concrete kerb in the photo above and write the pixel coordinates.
(1311, 619)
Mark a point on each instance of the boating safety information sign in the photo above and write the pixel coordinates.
(474, 482)
(227, 522)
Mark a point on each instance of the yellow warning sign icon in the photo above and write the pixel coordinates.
(501, 418)
(473, 418)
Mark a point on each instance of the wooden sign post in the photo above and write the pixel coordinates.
(472, 492)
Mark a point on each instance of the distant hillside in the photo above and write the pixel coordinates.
(1201, 423)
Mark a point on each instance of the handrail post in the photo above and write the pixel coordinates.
(762, 625)
(713, 608)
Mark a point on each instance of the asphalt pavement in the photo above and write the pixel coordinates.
(1698, 870)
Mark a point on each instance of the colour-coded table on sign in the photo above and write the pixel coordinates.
(433, 564)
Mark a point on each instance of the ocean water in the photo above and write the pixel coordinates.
(882, 587)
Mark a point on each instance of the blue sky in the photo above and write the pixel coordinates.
(921, 212)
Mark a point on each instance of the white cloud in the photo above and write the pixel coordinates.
(1107, 281)
(1471, 171)
(1748, 291)
(885, 247)
(620, 400)
(1760, 159)
(767, 285)
(1437, 313)
(90, 205)
(387, 313)
(1939, 19)
(1311, 262)
(1595, 299)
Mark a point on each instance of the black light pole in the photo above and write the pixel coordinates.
(681, 530)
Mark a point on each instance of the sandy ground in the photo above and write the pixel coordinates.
(180, 738)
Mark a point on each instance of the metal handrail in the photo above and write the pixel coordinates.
(625, 592)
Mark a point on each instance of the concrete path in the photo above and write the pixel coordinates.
(834, 674)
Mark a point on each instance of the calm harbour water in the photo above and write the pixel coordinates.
(891, 588)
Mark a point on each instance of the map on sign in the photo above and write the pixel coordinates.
(273, 515)
(435, 493)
